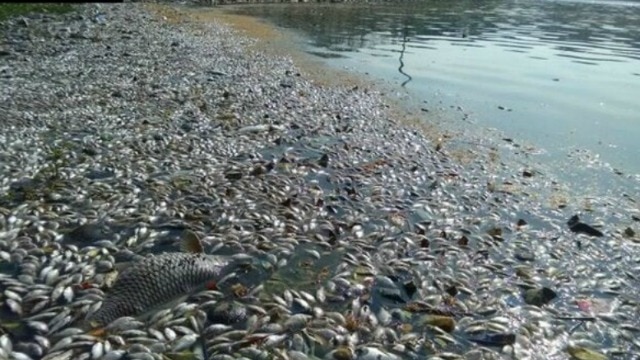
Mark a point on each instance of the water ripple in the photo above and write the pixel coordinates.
(491, 51)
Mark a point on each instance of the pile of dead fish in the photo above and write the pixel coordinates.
(350, 236)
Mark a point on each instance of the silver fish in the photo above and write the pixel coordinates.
(157, 280)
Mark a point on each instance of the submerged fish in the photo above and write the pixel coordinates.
(158, 280)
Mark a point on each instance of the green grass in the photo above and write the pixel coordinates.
(13, 9)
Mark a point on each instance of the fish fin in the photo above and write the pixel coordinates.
(191, 243)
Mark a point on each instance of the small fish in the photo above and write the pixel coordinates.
(495, 339)
(156, 281)
(579, 227)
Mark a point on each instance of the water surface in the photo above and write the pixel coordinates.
(563, 76)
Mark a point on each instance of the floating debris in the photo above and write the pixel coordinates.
(539, 296)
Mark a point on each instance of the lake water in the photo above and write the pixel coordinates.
(563, 76)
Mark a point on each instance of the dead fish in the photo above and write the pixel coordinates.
(260, 128)
(579, 227)
(495, 339)
(159, 280)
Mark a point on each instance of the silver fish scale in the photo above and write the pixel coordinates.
(154, 281)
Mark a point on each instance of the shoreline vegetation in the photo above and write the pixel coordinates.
(366, 233)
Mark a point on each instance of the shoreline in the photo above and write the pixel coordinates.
(118, 138)
(276, 42)
(462, 141)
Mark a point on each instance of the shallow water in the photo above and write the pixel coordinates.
(562, 76)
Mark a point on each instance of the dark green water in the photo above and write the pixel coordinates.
(562, 76)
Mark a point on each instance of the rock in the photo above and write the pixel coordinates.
(539, 296)
(628, 232)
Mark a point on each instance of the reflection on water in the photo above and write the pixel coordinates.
(561, 74)
(590, 31)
